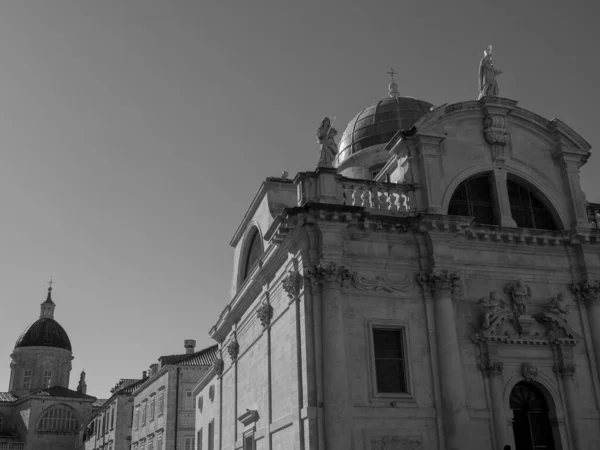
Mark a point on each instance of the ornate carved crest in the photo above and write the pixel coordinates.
(292, 283)
(496, 134)
(439, 280)
(380, 283)
(233, 349)
(219, 366)
(529, 371)
(396, 443)
(265, 314)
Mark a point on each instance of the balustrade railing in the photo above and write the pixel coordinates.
(375, 195)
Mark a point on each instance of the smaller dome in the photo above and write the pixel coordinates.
(44, 332)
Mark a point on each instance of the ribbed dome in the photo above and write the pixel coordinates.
(377, 124)
(44, 332)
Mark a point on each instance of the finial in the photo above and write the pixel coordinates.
(50, 283)
(393, 87)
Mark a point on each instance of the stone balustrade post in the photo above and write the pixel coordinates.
(454, 408)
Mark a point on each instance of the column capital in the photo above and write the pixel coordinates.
(439, 280)
(565, 370)
(327, 272)
(492, 369)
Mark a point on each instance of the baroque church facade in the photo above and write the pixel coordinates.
(434, 285)
(39, 411)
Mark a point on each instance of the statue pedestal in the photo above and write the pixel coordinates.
(525, 321)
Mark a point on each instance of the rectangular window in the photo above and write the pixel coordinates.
(390, 364)
(161, 403)
(136, 420)
(211, 435)
(144, 412)
(152, 409)
(189, 443)
(27, 379)
(143, 446)
(159, 443)
(47, 379)
(114, 413)
(188, 401)
(249, 440)
(199, 439)
(151, 445)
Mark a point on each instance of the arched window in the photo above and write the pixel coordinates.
(527, 209)
(473, 197)
(253, 253)
(59, 419)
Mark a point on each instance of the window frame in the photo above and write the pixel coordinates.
(27, 378)
(144, 412)
(249, 434)
(161, 402)
(188, 400)
(211, 435)
(192, 443)
(247, 266)
(385, 397)
(532, 193)
(199, 439)
(472, 204)
(136, 418)
(46, 379)
(152, 408)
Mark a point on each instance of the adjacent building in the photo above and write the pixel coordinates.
(436, 287)
(109, 427)
(163, 413)
(39, 411)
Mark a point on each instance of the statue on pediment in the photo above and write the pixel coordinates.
(493, 307)
(326, 138)
(488, 86)
(519, 292)
(559, 306)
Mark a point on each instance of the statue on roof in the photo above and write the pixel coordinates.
(326, 139)
(488, 87)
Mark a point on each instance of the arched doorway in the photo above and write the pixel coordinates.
(531, 421)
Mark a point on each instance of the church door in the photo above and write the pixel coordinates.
(531, 424)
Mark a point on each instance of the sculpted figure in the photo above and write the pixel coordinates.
(559, 306)
(325, 137)
(493, 308)
(488, 87)
(519, 293)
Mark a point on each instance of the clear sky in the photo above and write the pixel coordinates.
(134, 135)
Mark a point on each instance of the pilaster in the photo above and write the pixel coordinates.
(505, 218)
(493, 371)
(566, 371)
(430, 171)
(570, 160)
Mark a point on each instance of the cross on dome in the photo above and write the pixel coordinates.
(393, 87)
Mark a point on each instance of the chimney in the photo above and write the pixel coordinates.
(153, 369)
(190, 345)
(144, 376)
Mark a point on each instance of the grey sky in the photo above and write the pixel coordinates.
(134, 134)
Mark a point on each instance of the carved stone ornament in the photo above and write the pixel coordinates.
(396, 443)
(219, 366)
(200, 403)
(494, 130)
(342, 274)
(493, 307)
(211, 393)
(559, 306)
(586, 289)
(529, 371)
(565, 370)
(233, 349)
(492, 369)
(519, 293)
(265, 314)
(439, 280)
(292, 284)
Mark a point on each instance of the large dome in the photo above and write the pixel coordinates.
(379, 122)
(44, 332)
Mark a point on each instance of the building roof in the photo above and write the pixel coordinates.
(99, 402)
(44, 332)
(7, 397)
(124, 383)
(379, 122)
(205, 357)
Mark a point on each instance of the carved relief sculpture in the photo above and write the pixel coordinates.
(326, 139)
(265, 314)
(519, 292)
(559, 306)
(493, 307)
(219, 366)
(587, 290)
(488, 86)
(529, 371)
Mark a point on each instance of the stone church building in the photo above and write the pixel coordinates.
(435, 286)
(39, 411)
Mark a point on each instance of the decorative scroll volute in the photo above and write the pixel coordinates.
(292, 284)
(265, 314)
